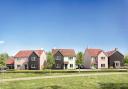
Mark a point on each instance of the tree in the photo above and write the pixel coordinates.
(126, 59)
(79, 59)
(50, 60)
(3, 58)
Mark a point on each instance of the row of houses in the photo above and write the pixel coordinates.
(97, 58)
(65, 59)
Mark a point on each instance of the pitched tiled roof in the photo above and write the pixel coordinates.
(27, 53)
(64, 52)
(24, 53)
(110, 52)
(39, 52)
(10, 60)
(93, 52)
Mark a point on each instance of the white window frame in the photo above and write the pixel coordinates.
(33, 66)
(117, 63)
(71, 65)
(58, 66)
(103, 58)
(58, 57)
(33, 58)
(102, 66)
(70, 58)
(93, 59)
(18, 59)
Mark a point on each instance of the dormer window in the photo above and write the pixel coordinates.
(33, 58)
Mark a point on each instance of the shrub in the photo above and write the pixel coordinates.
(66, 71)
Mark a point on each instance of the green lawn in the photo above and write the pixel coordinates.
(17, 75)
(21, 75)
(91, 82)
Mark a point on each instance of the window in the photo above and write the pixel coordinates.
(70, 58)
(71, 65)
(93, 59)
(33, 66)
(58, 66)
(102, 65)
(117, 64)
(103, 58)
(18, 66)
(58, 57)
(18, 59)
(33, 58)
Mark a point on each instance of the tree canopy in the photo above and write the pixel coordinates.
(126, 59)
(3, 58)
(50, 60)
(79, 58)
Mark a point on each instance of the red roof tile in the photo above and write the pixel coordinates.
(110, 52)
(27, 53)
(39, 52)
(93, 52)
(10, 60)
(24, 53)
(65, 52)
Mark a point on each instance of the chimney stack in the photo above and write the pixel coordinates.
(116, 49)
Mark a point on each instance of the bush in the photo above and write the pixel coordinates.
(66, 71)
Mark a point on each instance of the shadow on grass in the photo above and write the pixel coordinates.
(51, 87)
(114, 85)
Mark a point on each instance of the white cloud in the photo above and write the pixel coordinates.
(2, 42)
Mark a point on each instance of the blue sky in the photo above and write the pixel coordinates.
(35, 24)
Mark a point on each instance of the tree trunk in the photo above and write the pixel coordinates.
(79, 69)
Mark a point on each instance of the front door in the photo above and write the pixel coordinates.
(65, 65)
(25, 66)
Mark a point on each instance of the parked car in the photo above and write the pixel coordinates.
(80, 66)
(2, 69)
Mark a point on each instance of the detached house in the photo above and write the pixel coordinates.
(30, 59)
(95, 58)
(115, 59)
(64, 58)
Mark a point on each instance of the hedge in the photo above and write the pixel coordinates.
(66, 71)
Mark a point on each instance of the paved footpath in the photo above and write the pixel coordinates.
(61, 76)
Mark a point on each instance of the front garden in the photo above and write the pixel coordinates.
(117, 81)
